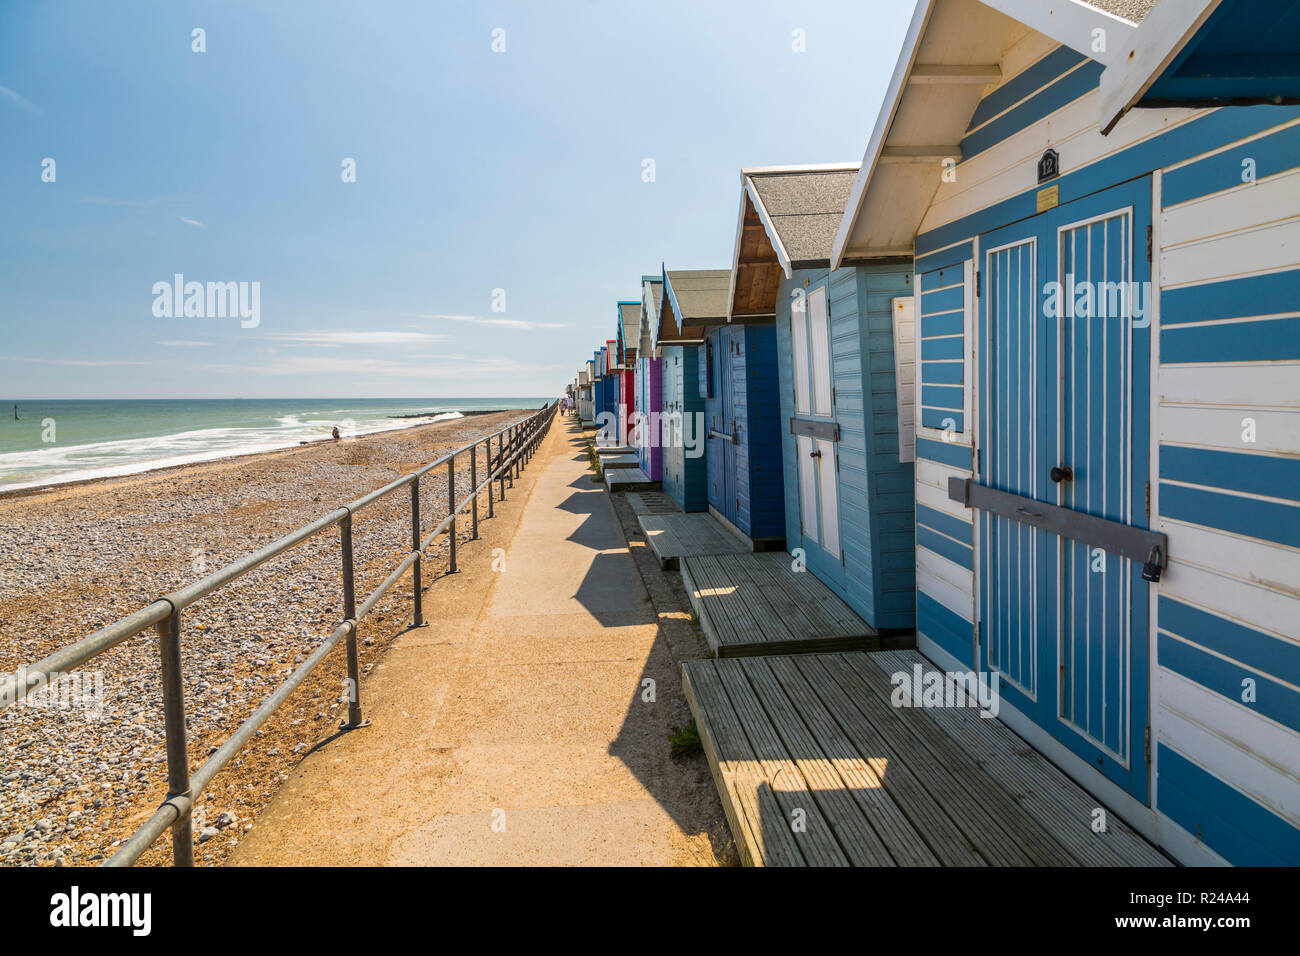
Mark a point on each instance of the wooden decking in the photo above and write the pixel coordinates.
(675, 536)
(756, 604)
(816, 767)
(652, 501)
(614, 449)
(619, 461)
(626, 479)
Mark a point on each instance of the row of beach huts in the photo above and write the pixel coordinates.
(1017, 395)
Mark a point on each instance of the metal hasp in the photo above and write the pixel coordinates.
(1149, 548)
(827, 431)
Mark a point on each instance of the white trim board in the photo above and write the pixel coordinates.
(1146, 52)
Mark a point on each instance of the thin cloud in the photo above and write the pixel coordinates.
(80, 363)
(192, 222)
(183, 344)
(481, 320)
(19, 101)
(148, 203)
(491, 368)
(373, 337)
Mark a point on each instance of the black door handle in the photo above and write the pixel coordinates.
(1060, 473)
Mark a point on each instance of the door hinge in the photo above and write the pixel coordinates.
(1148, 745)
(979, 283)
(1148, 245)
(1148, 502)
(979, 461)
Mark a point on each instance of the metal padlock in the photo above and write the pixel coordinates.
(1151, 569)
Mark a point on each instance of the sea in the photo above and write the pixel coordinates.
(54, 441)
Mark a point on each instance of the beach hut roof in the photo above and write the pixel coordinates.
(1205, 53)
(651, 290)
(690, 301)
(952, 56)
(788, 219)
(629, 331)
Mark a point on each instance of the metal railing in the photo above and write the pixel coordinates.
(515, 447)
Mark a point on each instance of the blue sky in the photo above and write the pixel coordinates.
(475, 171)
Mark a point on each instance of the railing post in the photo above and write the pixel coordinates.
(488, 460)
(501, 462)
(514, 461)
(473, 484)
(416, 589)
(451, 510)
(178, 761)
(350, 614)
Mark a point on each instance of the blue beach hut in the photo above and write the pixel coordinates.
(1103, 232)
(685, 296)
(841, 439)
(737, 371)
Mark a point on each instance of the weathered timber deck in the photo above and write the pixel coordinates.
(626, 479)
(603, 450)
(675, 536)
(652, 501)
(756, 604)
(619, 461)
(816, 767)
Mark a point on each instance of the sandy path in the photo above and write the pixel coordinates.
(517, 728)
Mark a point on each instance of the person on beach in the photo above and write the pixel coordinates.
(335, 433)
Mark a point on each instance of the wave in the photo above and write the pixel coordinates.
(106, 459)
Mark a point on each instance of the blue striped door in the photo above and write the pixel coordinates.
(722, 453)
(1065, 375)
(1009, 586)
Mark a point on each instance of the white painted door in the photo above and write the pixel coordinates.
(814, 399)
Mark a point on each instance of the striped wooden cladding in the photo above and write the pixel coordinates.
(649, 403)
(1010, 558)
(1227, 327)
(684, 475)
